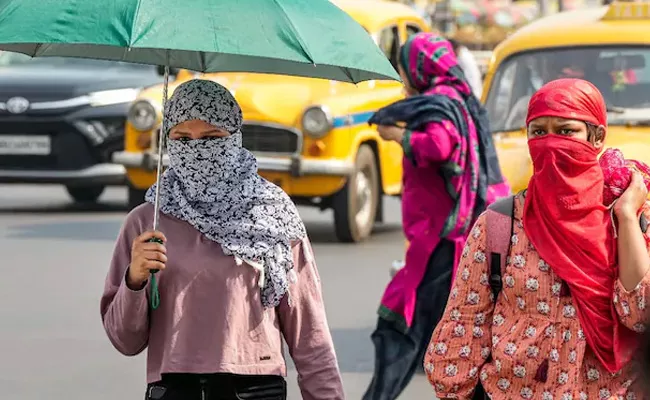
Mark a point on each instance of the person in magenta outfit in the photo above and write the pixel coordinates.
(236, 271)
(451, 174)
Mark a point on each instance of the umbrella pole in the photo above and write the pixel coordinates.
(161, 142)
(155, 295)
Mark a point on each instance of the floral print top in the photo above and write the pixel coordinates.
(530, 345)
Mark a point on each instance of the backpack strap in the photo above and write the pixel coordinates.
(500, 223)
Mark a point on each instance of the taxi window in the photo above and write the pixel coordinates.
(389, 43)
(503, 96)
(622, 74)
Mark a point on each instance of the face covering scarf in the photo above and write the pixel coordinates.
(212, 183)
(565, 218)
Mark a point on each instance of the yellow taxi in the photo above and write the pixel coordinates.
(310, 136)
(609, 46)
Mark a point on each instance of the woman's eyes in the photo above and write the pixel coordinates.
(564, 132)
(187, 138)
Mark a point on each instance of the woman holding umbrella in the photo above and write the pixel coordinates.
(237, 272)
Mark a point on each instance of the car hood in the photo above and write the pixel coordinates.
(42, 83)
(277, 98)
(281, 99)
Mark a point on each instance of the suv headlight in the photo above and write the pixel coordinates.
(142, 115)
(110, 97)
(317, 121)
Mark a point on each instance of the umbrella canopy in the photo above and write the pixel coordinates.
(310, 38)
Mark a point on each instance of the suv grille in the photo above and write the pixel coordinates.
(270, 139)
(262, 139)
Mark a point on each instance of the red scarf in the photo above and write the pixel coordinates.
(567, 221)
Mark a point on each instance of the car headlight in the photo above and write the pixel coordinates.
(317, 121)
(110, 97)
(142, 115)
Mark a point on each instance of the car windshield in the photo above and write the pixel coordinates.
(10, 59)
(622, 74)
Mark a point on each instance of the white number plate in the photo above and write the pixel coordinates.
(25, 145)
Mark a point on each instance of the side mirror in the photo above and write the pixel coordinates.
(172, 71)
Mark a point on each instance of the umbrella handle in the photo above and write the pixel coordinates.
(155, 294)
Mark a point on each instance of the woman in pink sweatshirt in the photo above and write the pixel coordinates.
(236, 271)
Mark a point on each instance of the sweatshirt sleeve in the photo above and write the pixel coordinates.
(305, 329)
(434, 144)
(124, 311)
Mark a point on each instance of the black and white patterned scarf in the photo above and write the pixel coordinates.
(212, 183)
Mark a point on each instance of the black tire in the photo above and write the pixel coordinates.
(136, 197)
(85, 194)
(345, 203)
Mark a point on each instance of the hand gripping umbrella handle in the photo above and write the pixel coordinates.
(155, 294)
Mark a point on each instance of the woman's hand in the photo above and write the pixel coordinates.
(388, 132)
(633, 258)
(628, 205)
(145, 256)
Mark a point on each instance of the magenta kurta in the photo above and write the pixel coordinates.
(425, 207)
(429, 212)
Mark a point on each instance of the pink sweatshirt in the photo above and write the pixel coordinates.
(211, 318)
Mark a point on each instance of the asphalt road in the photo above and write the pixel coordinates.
(54, 260)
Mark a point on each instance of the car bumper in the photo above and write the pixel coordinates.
(296, 166)
(100, 174)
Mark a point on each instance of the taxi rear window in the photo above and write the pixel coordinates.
(621, 73)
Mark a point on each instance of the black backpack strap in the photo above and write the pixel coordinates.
(503, 206)
(495, 274)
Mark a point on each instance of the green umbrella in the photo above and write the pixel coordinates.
(312, 38)
(309, 38)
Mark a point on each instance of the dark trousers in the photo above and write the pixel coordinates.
(398, 355)
(217, 387)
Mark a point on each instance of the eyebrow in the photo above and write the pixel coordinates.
(570, 124)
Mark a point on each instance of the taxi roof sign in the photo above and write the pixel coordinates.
(621, 10)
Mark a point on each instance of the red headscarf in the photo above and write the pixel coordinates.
(565, 217)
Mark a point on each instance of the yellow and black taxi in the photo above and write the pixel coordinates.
(609, 46)
(61, 119)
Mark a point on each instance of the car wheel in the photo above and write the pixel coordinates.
(136, 197)
(355, 206)
(85, 194)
